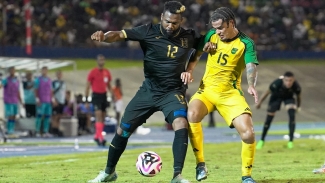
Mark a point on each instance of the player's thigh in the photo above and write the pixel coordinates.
(232, 104)
(138, 110)
(15, 109)
(99, 101)
(290, 103)
(173, 105)
(47, 109)
(9, 110)
(199, 106)
(274, 105)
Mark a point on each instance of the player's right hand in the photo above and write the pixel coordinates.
(98, 36)
(186, 77)
(210, 47)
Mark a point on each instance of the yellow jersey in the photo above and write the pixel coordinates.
(224, 67)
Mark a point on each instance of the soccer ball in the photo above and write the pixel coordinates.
(149, 163)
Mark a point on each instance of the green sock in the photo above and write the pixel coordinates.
(38, 124)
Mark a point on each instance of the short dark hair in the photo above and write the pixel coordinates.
(174, 7)
(288, 74)
(223, 13)
(118, 82)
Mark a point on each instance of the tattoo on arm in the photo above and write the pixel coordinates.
(251, 74)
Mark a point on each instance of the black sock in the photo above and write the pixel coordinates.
(266, 126)
(115, 151)
(179, 150)
(292, 123)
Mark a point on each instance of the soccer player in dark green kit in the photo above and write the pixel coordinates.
(166, 47)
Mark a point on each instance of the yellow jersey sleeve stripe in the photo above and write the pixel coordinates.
(124, 33)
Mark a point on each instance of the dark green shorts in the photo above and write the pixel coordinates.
(275, 103)
(145, 103)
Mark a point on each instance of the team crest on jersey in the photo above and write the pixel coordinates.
(234, 50)
(184, 42)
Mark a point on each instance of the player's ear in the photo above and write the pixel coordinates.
(233, 23)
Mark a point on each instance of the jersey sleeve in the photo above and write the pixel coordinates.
(204, 39)
(197, 39)
(250, 53)
(136, 33)
(274, 86)
(297, 89)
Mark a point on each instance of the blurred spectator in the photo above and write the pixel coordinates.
(43, 94)
(12, 99)
(274, 25)
(117, 98)
(85, 111)
(29, 95)
(68, 105)
(59, 92)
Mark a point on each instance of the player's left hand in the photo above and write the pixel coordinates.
(186, 77)
(251, 90)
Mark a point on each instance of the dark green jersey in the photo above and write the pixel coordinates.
(280, 91)
(164, 58)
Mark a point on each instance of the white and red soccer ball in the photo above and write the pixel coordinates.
(149, 163)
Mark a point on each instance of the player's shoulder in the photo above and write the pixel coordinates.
(246, 39)
(277, 82)
(93, 70)
(107, 70)
(296, 84)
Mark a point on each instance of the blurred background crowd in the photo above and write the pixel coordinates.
(273, 25)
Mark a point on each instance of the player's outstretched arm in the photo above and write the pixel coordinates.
(267, 92)
(298, 101)
(194, 59)
(251, 79)
(108, 37)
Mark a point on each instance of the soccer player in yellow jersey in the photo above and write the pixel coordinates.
(229, 53)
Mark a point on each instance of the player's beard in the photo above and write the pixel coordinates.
(169, 34)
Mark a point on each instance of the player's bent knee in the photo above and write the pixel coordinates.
(248, 136)
(290, 106)
(180, 123)
(194, 116)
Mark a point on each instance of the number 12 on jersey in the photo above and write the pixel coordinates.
(171, 51)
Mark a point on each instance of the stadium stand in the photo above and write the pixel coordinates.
(274, 25)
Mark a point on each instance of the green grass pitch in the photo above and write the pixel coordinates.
(273, 164)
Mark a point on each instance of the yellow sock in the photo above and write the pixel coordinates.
(247, 156)
(196, 139)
